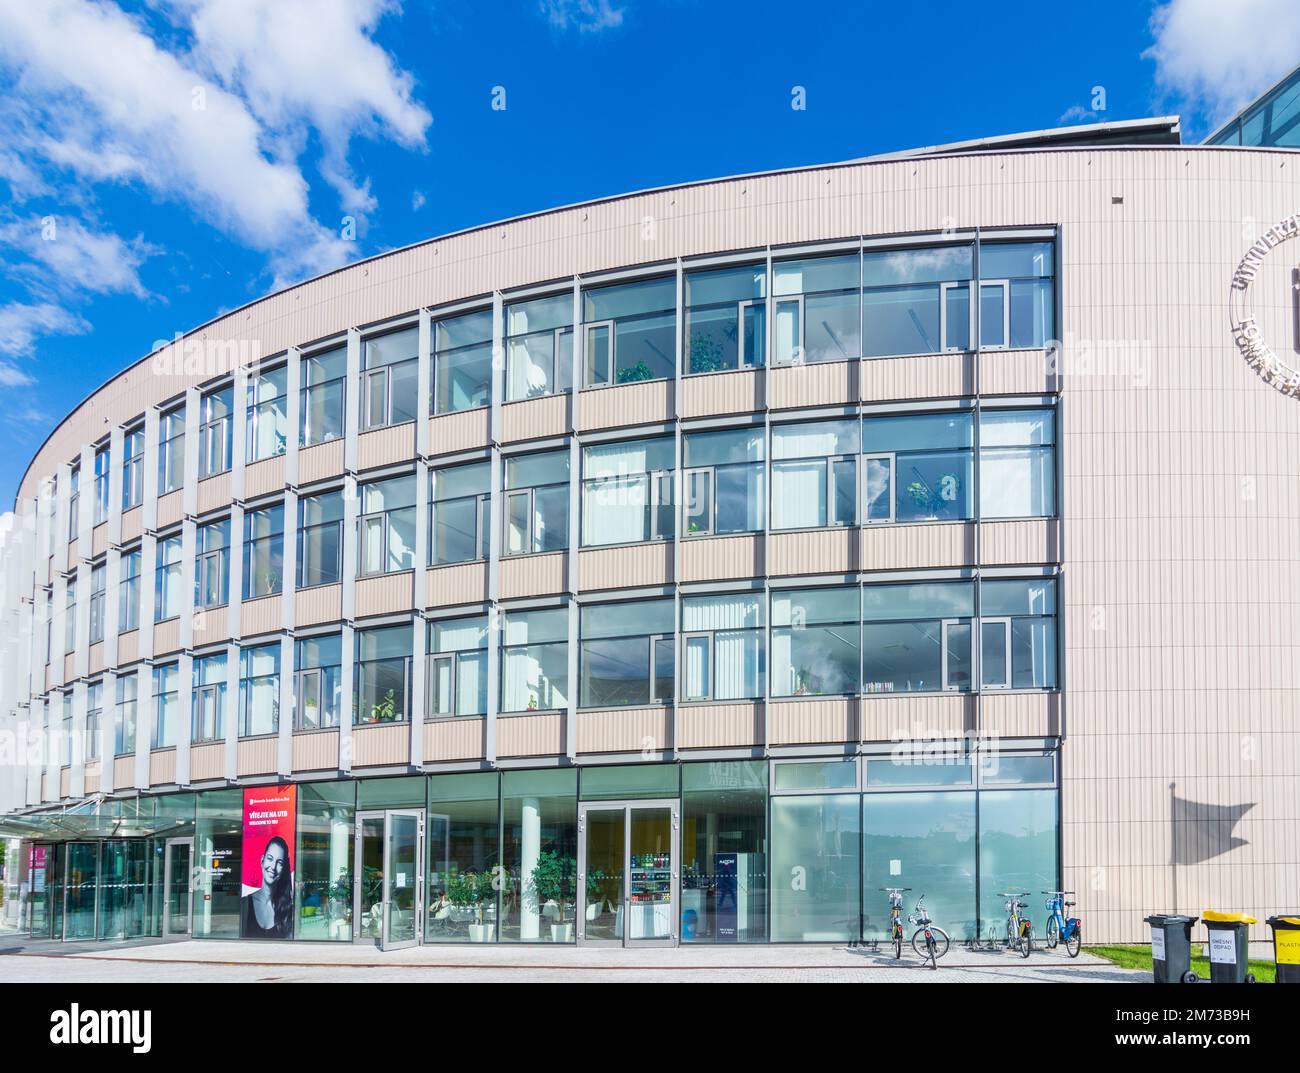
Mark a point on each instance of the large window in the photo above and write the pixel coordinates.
(383, 674)
(817, 309)
(259, 691)
(1018, 634)
(726, 319)
(535, 660)
(1017, 464)
(214, 432)
(462, 362)
(102, 459)
(263, 552)
(815, 642)
(389, 377)
(124, 725)
(626, 653)
(324, 379)
(722, 647)
(457, 668)
(816, 845)
(132, 468)
(267, 414)
(212, 568)
(171, 450)
(74, 502)
(917, 467)
(166, 705)
(627, 492)
(539, 347)
(1016, 288)
(537, 503)
(387, 526)
(168, 597)
(628, 332)
(458, 513)
(209, 705)
(320, 539)
(814, 474)
(94, 719)
(70, 616)
(917, 638)
(128, 591)
(539, 839)
(723, 481)
(98, 581)
(917, 301)
(318, 692)
(1017, 836)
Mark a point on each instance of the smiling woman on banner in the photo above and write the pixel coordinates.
(267, 913)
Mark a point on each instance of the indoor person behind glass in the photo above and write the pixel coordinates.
(267, 913)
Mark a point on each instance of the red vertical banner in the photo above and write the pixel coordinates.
(270, 821)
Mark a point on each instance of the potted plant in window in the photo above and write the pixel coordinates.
(386, 710)
(552, 881)
(633, 373)
(938, 498)
(706, 355)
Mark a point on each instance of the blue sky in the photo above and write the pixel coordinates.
(162, 161)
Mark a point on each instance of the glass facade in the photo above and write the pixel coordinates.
(782, 851)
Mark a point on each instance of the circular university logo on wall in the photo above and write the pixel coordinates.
(1245, 329)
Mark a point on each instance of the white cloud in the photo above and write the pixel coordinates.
(1216, 57)
(311, 62)
(220, 127)
(12, 376)
(79, 258)
(21, 324)
(585, 16)
(1077, 113)
(418, 201)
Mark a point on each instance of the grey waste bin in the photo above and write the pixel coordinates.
(1229, 947)
(1171, 948)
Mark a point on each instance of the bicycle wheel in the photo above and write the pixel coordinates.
(1053, 932)
(1027, 941)
(898, 946)
(1075, 942)
(941, 941)
(920, 945)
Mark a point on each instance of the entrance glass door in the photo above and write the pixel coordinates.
(628, 884)
(403, 878)
(81, 882)
(178, 885)
(389, 878)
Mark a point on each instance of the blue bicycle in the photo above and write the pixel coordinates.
(1060, 928)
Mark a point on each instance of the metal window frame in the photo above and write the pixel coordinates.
(688, 475)
(1005, 286)
(203, 567)
(653, 680)
(213, 431)
(831, 460)
(253, 415)
(481, 533)
(945, 626)
(799, 353)
(878, 456)
(216, 691)
(305, 434)
(244, 707)
(359, 680)
(744, 360)
(1005, 622)
(553, 376)
(946, 286)
(655, 502)
(303, 533)
(707, 636)
(587, 327)
(302, 691)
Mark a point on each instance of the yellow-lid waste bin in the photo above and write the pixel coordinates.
(1286, 947)
(1229, 946)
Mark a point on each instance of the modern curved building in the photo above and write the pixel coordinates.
(686, 566)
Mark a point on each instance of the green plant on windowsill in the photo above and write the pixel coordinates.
(694, 527)
(639, 371)
(386, 710)
(706, 355)
(937, 498)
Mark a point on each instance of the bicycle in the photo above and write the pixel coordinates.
(896, 917)
(1020, 929)
(929, 940)
(1060, 928)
